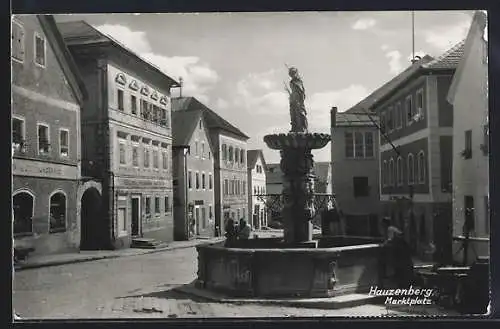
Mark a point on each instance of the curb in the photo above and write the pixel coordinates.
(21, 267)
(316, 303)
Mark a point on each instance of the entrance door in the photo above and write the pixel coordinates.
(135, 216)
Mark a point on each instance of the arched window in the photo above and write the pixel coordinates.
(421, 167)
(57, 214)
(411, 169)
(399, 171)
(391, 172)
(236, 155)
(23, 206)
(230, 153)
(242, 156)
(224, 152)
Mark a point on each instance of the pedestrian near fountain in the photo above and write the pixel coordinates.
(244, 230)
(231, 234)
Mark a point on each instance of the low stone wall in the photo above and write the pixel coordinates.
(294, 272)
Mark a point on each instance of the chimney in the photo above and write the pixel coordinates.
(333, 115)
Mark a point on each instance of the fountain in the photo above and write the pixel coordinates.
(296, 265)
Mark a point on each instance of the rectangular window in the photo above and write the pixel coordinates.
(349, 142)
(18, 138)
(190, 179)
(203, 181)
(39, 50)
(390, 119)
(210, 182)
(64, 142)
(469, 213)
(164, 120)
(145, 109)
(368, 144)
(120, 99)
(358, 145)
(409, 109)
(420, 104)
(360, 185)
(17, 41)
(164, 159)
(468, 144)
(123, 152)
(133, 104)
(226, 187)
(43, 139)
(197, 180)
(157, 205)
(148, 205)
(196, 148)
(155, 159)
(135, 155)
(146, 157)
(383, 126)
(167, 204)
(244, 187)
(202, 150)
(399, 116)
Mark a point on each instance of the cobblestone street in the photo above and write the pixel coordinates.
(139, 287)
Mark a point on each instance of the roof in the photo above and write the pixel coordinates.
(183, 125)
(63, 56)
(80, 33)
(322, 170)
(252, 156)
(477, 29)
(274, 175)
(447, 61)
(355, 119)
(212, 119)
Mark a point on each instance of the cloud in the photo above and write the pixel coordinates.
(445, 37)
(221, 104)
(384, 47)
(198, 77)
(395, 65)
(364, 23)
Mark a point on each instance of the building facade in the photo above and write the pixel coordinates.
(355, 172)
(126, 138)
(193, 176)
(230, 172)
(257, 211)
(469, 96)
(416, 124)
(47, 95)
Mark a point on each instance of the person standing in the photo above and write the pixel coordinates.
(244, 230)
(231, 233)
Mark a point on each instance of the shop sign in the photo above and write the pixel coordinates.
(140, 183)
(21, 167)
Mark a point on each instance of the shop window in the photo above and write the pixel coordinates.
(23, 204)
(40, 50)
(58, 212)
(64, 142)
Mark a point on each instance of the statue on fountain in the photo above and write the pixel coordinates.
(297, 96)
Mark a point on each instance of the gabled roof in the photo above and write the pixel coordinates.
(355, 119)
(476, 30)
(448, 60)
(212, 119)
(252, 156)
(81, 33)
(183, 125)
(63, 56)
(322, 169)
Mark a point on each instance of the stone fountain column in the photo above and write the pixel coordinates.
(298, 182)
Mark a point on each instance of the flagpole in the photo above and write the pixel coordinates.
(413, 36)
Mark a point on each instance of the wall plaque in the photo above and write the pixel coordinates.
(21, 167)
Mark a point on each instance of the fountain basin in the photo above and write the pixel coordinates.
(268, 268)
(308, 141)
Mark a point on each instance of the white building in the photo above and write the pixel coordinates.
(469, 96)
(256, 167)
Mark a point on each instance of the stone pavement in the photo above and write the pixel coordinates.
(84, 256)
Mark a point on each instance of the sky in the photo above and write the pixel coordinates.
(235, 62)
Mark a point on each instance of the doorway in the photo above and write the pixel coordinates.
(94, 228)
(136, 211)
